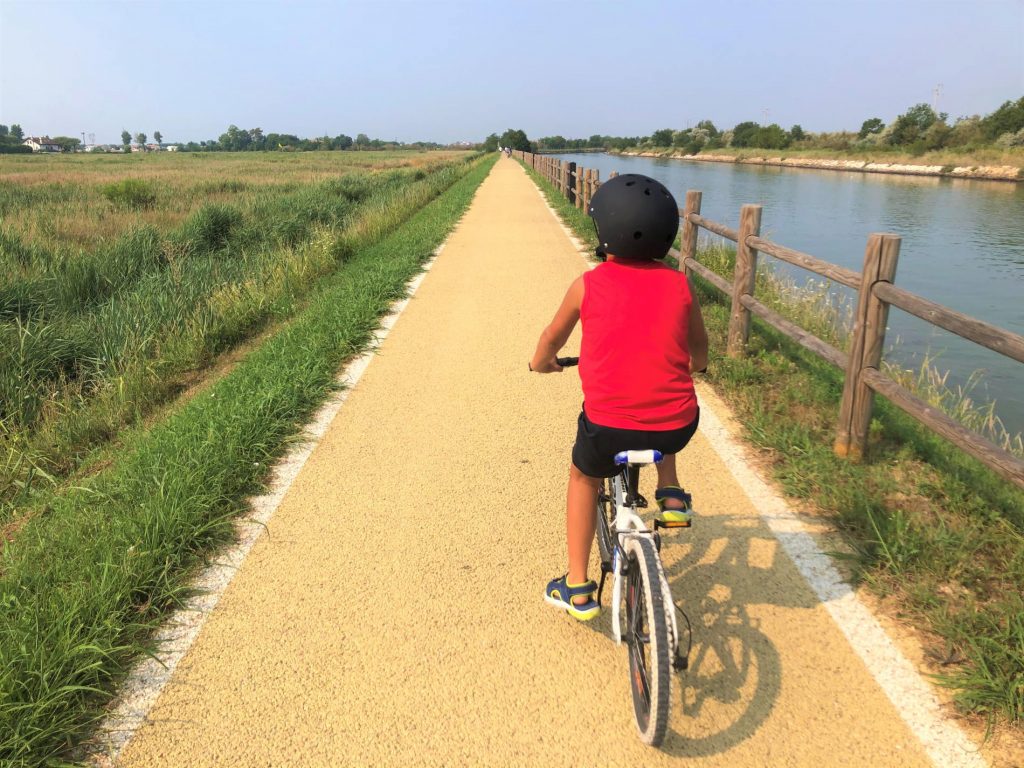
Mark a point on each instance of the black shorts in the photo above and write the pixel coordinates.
(596, 446)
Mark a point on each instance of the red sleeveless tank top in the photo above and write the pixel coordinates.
(635, 357)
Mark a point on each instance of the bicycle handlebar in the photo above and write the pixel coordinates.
(569, 362)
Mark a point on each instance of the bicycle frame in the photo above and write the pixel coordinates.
(628, 523)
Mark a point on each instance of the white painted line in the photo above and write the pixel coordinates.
(943, 740)
(147, 679)
(912, 697)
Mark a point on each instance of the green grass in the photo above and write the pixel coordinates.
(94, 340)
(86, 581)
(937, 535)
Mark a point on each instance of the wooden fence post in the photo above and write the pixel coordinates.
(566, 175)
(688, 238)
(876, 315)
(743, 280)
(872, 258)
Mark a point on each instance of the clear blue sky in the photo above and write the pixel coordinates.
(446, 71)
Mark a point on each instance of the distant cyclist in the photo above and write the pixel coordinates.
(643, 334)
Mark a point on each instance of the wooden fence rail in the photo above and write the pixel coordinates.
(875, 294)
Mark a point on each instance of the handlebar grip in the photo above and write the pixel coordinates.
(567, 362)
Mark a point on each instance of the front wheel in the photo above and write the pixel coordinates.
(647, 638)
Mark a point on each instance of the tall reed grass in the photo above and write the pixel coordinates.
(93, 340)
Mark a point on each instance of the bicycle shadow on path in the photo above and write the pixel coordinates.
(721, 571)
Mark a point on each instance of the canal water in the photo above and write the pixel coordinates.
(963, 246)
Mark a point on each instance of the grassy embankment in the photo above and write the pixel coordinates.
(945, 158)
(83, 585)
(119, 292)
(937, 536)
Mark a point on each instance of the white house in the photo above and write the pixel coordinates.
(172, 147)
(41, 144)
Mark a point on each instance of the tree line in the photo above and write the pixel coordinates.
(919, 129)
(234, 139)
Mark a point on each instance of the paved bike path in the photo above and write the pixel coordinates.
(392, 613)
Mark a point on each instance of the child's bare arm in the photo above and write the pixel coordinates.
(698, 335)
(553, 337)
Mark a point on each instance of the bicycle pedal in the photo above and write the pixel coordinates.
(673, 523)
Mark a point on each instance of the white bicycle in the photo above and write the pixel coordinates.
(630, 553)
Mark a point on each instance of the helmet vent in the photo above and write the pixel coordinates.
(637, 235)
(630, 183)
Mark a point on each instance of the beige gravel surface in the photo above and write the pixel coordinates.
(392, 614)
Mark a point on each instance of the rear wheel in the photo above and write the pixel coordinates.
(647, 636)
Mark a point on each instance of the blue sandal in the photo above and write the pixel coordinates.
(670, 515)
(560, 593)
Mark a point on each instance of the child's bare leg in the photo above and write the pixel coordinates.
(667, 476)
(580, 524)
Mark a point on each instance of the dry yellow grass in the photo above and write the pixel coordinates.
(56, 200)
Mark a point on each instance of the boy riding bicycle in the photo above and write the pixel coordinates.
(643, 334)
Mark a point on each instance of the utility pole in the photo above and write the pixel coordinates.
(935, 98)
(766, 113)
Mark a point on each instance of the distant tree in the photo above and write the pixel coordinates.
(595, 142)
(966, 130)
(257, 141)
(140, 139)
(16, 132)
(681, 138)
(1009, 118)
(66, 143)
(362, 141)
(341, 141)
(743, 135)
(662, 138)
(4, 131)
(491, 143)
(937, 136)
(235, 139)
(870, 126)
(911, 125)
(158, 137)
(126, 139)
(515, 138)
(770, 137)
(707, 125)
(796, 133)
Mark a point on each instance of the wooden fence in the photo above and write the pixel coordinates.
(875, 294)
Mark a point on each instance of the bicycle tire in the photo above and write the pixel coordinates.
(647, 636)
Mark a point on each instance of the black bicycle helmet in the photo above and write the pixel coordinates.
(636, 217)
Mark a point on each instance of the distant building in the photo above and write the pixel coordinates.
(41, 144)
(138, 148)
(172, 148)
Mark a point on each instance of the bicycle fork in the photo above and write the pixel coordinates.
(617, 569)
